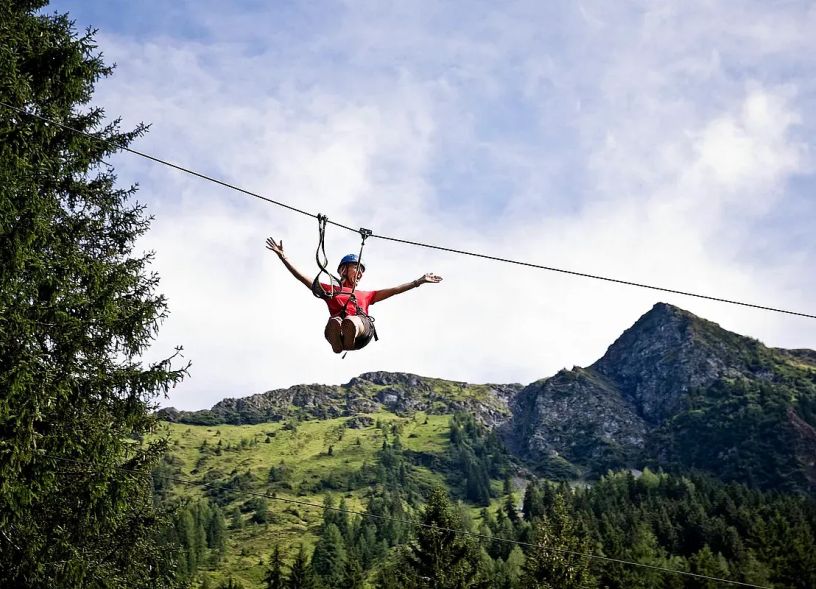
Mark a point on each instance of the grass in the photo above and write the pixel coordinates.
(217, 453)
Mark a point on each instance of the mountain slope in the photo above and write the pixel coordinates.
(680, 392)
(673, 391)
(669, 352)
(577, 417)
(400, 393)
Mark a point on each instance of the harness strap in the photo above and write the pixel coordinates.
(323, 262)
(358, 311)
(365, 234)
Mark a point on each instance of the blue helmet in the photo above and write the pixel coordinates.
(350, 259)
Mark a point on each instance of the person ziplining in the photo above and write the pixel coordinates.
(350, 327)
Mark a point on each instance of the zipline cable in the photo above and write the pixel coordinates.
(161, 161)
(406, 241)
(585, 275)
(430, 526)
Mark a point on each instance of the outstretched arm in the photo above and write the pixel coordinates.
(383, 294)
(278, 249)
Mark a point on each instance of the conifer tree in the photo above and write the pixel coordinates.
(506, 530)
(753, 571)
(217, 533)
(510, 509)
(342, 520)
(274, 578)
(514, 565)
(551, 563)
(705, 562)
(367, 544)
(643, 549)
(533, 503)
(329, 557)
(78, 307)
(261, 513)
(354, 575)
(439, 557)
(300, 576)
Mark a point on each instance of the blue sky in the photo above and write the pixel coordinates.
(669, 143)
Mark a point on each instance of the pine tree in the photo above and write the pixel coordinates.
(354, 574)
(367, 544)
(533, 504)
(274, 578)
(329, 557)
(217, 534)
(753, 571)
(186, 534)
(439, 557)
(705, 562)
(342, 520)
(78, 309)
(510, 509)
(552, 562)
(261, 513)
(300, 576)
(506, 531)
(514, 565)
(643, 549)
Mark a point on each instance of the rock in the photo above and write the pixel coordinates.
(360, 422)
(403, 394)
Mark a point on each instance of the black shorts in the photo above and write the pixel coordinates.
(368, 333)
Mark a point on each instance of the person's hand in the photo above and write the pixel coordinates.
(430, 278)
(275, 247)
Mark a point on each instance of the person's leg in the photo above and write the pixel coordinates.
(333, 333)
(366, 336)
(352, 327)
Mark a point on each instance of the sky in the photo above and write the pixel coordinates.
(667, 142)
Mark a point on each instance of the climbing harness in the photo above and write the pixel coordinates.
(334, 287)
(370, 331)
(334, 283)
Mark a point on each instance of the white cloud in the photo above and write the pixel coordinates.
(654, 149)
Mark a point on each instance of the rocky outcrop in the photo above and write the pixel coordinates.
(400, 393)
(578, 415)
(805, 446)
(621, 409)
(668, 352)
(802, 356)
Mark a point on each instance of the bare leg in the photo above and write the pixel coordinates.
(352, 327)
(333, 334)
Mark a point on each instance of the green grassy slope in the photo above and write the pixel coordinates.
(215, 455)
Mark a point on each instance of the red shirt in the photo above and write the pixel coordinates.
(336, 303)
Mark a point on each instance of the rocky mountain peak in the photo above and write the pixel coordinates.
(669, 351)
(382, 378)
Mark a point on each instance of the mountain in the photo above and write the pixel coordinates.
(674, 391)
(678, 392)
(399, 393)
